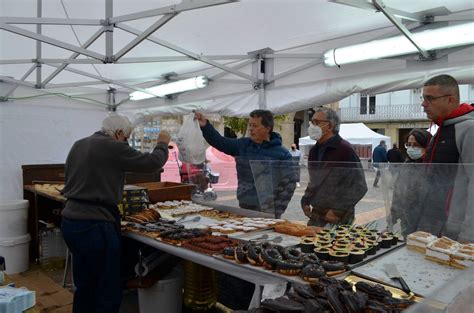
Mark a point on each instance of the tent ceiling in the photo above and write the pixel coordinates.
(222, 35)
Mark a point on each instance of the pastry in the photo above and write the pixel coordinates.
(312, 272)
(269, 257)
(356, 256)
(289, 267)
(341, 256)
(333, 267)
(253, 252)
(440, 250)
(386, 241)
(322, 253)
(307, 244)
(228, 253)
(418, 240)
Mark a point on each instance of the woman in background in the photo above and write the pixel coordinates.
(406, 203)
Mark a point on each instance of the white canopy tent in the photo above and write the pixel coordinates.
(355, 133)
(72, 60)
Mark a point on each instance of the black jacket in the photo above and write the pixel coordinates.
(337, 181)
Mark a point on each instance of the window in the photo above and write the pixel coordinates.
(363, 104)
(372, 105)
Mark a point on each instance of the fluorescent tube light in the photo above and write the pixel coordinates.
(172, 88)
(446, 37)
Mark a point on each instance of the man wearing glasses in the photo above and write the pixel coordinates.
(336, 177)
(452, 187)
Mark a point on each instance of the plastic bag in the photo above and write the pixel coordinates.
(191, 144)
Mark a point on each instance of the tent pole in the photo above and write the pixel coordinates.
(109, 31)
(38, 45)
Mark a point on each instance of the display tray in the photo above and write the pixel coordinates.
(422, 276)
(287, 240)
(378, 254)
(354, 278)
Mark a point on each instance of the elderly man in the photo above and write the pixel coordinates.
(450, 187)
(257, 160)
(336, 177)
(95, 173)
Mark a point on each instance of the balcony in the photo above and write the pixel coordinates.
(385, 113)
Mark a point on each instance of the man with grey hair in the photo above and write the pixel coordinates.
(336, 178)
(94, 181)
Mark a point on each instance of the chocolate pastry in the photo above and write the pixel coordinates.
(269, 258)
(395, 303)
(353, 301)
(326, 281)
(395, 240)
(240, 254)
(322, 253)
(291, 254)
(253, 252)
(312, 306)
(386, 241)
(289, 267)
(282, 304)
(373, 291)
(333, 298)
(333, 267)
(228, 253)
(356, 256)
(376, 307)
(310, 258)
(307, 244)
(295, 297)
(312, 272)
(304, 291)
(341, 256)
(341, 247)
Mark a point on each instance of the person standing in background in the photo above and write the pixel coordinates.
(336, 177)
(449, 204)
(296, 156)
(379, 156)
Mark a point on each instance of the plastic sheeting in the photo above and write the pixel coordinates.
(356, 134)
(39, 134)
(304, 95)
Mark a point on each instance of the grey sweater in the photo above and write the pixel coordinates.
(95, 174)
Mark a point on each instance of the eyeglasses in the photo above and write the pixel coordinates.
(430, 99)
(318, 122)
(411, 145)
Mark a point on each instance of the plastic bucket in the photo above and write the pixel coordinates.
(16, 253)
(164, 296)
(13, 218)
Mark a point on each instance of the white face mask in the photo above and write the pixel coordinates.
(315, 132)
(414, 152)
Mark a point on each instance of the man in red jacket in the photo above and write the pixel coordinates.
(449, 205)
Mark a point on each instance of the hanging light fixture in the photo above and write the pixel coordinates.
(172, 88)
(440, 38)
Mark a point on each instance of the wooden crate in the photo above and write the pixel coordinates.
(165, 191)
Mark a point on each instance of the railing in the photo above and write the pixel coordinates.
(385, 113)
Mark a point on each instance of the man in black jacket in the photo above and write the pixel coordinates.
(336, 177)
(94, 180)
(394, 155)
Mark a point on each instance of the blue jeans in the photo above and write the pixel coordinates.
(96, 251)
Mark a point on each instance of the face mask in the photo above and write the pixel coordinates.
(315, 132)
(414, 152)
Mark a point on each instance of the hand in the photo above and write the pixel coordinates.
(307, 210)
(200, 118)
(164, 137)
(331, 217)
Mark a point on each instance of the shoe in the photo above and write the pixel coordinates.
(298, 185)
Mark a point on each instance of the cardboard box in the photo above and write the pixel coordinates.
(166, 191)
(50, 297)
